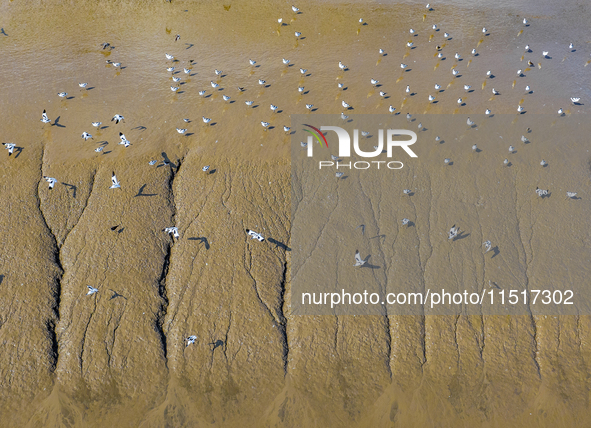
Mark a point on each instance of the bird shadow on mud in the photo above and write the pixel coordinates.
(368, 265)
(202, 239)
(279, 244)
(1, 279)
(71, 187)
(141, 192)
(461, 235)
(496, 252)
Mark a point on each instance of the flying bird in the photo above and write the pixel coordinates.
(358, 260)
(255, 235)
(116, 184)
(173, 231)
(51, 181)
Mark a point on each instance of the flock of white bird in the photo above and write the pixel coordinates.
(215, 85)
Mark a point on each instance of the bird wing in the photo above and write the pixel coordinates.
(114, 178)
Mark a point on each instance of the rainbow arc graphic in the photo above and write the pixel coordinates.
(316, 134)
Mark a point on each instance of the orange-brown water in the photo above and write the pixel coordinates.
(69, 359)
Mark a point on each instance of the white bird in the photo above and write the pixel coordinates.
(309, 106)
(285, 61)
(374, 82)
(360, 20)
(265, 124)
(506, 161)
(403, 66)
(543, 162)
(152, 162)
(487, 246)
(524, 139)
(541, 192)
(382, 94)
(297, 34)
(86, 136)
(262, 82)
(364, 133)
(116, 184)
(303, 144)
(295, 9)
(226, 97)
(339, 174)
(460, 101)
(431, 98)
(169, 57)
(44, 117)
(340, 85)
(171, 69)
(344, 116)
(473, 52)
(406, 191)
(544, 53)
(519, 72)
(217, 72)
(527, 88)
(405, 221)
(303, 70)
(286, 128)
(453, 232)
(457, 56)
(62, 94)
(495, 92)
(407, 89)
(487, 112)
(214, 84)
(571, 195)
(342, 66)
(484, 30)
(51, 181)
(190, 340)
(174, 88)
(205, 168)
(488, 73)
(381, 51)
(255, 235)
(446, 160)
(437, 87)
(345, 104)
(358, 260)
(187, 70)
(99, 149)
(474, 147)
(91, 290)
(97, 124)
(181, 131)
(173, 231)
(248, 103)
(252, 61)
(176, 79)
(201, 93)
(434, 26)
(467, 88)
(206, 119)
(83, 85)
(511, 149)
(391, 109)
(454, 72)
(117, 118)
(525, 21)
(437, 139)
(411, 31)
(301, 88)
(124, 141)
(519, 108)
(409, 44)
(446, 35)
(560, 111)
(575, 100)
(527, 49)
(274, 107)
(469, 122)
(439, 55)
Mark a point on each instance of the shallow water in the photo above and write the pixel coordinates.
(77, 360)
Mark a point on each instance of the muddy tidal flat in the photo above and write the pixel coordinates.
(106, 319)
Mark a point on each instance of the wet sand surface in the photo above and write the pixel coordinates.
(119, 358)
